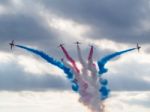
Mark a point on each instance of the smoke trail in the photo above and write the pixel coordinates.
(51, 60)
(104, 60)
(80, 56)
(90, 59)
(104, 90)
(91, 64)
(70, 59)
(75, 86)
(78, 78)
(89, 96)
(87, 82)
(90, 54)
(83, 63)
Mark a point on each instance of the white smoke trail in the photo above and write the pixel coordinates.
(90, 96)
(87, 82)
(83, 82)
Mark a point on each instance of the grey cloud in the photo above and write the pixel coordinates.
(127, 83)
(23, 28)
(15, 79)
(108, 17)
(26, 30)
(26, 26)
(115, 20)
(129, 77)
(4, 1)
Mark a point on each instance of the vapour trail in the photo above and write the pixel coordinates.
(87, 82)
(51, 60)
(82, 61)
(102, 62)
(90, 53)
(91, 64)
(70, 58)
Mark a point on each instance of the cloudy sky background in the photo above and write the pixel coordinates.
(109, 25)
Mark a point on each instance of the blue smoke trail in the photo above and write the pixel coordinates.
(104, 81)
(101, 64)
(55, 62)
(75, 86)
(104, 60)
(104, 92)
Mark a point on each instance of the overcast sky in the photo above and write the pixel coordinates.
(110, 25)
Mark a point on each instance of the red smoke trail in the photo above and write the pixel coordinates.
(90, 54)
(70, 59)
